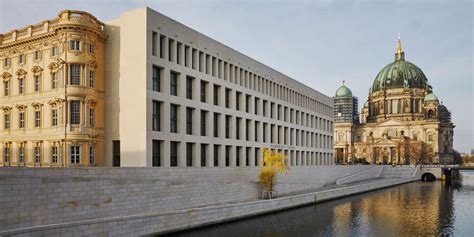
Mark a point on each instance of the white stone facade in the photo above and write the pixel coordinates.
(223, 109)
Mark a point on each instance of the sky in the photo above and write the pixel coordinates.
(319, 43)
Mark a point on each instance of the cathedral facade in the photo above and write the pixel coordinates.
(402, 122)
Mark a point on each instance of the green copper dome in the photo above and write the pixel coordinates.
(343, 91)
(400, 74)
(431, 97)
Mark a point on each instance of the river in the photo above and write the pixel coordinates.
(414, 209)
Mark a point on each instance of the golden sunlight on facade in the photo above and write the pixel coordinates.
(52, 93)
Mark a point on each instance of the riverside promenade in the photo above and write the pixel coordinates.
(140, 201)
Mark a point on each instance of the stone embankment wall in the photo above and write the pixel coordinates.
(143, 200)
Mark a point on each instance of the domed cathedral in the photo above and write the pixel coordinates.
(402, 122)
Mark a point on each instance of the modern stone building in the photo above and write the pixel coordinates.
(52, 92)
(150, 92)
(402, 122)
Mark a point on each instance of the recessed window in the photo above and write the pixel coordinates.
(92, 155)
(75, 45)
(54, 80)
(54, 51)
(54, 117)
(173, 118)
(174, 83)
(54, 154)
(37, 55)
(91, 78)
(91, 48)
(174, 154)
(6, 62)
(75, 154)
(6, 88)
(21, 153)
(37, 83)
(75, 112)
(92, 118)
(156, 153)
(21, 120)
(156, 79)
(189, 87)
(37, 153)
(21, 59)
(156, 116)
(75, 74)
(7, 121)
(189, 121)
(37, 119)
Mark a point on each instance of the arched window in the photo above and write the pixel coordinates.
(431, 114)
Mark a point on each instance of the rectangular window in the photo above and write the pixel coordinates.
(21, 86)
(203, 91)
(92, 118)
(237, 128)
(227, 155)
(154, 37)
(54, 154)
(21, 153)
(91, 49)
(92, 155)
(75, 74)
(189, 154)
(75, 112)
(238, 95)
(216, 125)
(6, 62)
(7, 121)
(21, 120)
(174, 83)
(75, 154)
(216, 95)
(173, 118)
(37, 55)
(6, 88)
(203, 154)
(227, 97)
(75, 45)
(116, 153)
(37, 119)
(156, 153)
(227, 126)
(54, 117)
(156, 79)
(37, 83)
(216, 155)
(162, 46)
(156, 116)
(203, 123)
(174, 154)
(189, 121)
(189, 87)
(54, 80)
(91, 78)
(21, 59)
(6, 154)
(54, 51)
(37, 153)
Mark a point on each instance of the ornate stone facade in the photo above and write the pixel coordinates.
(52, 92)
(402, 121)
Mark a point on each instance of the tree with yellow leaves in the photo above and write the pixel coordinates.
(273, 163)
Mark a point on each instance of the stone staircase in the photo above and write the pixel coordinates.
(398, 171)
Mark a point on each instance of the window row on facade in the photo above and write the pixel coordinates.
(175, 51)
(36, 55)
(39, 154)
(40, 82)
(187, 154)
(219, 95)
(234, 127)
(78, 113)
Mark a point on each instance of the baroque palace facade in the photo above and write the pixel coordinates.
(52, 92)
(402, 122)
(145, 90)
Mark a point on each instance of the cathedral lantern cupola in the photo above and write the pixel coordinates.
(399, 54)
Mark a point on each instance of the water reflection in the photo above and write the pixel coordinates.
(415, 209)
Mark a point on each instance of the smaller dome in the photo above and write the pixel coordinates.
(343, 91)
(431, 97)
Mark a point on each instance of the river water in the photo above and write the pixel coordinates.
(414, 209)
